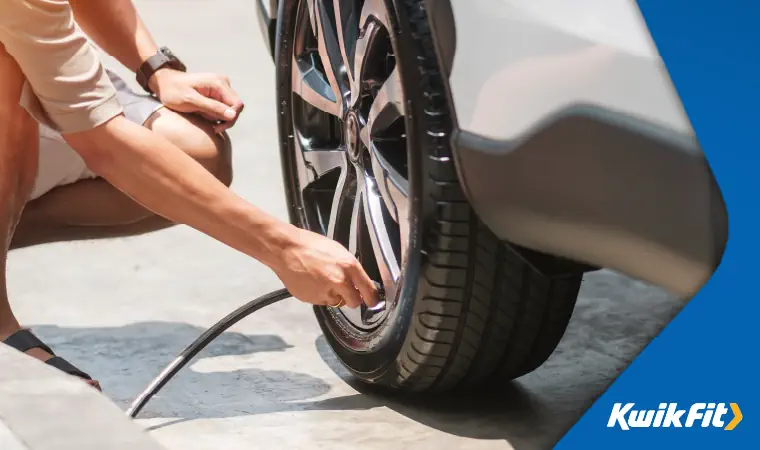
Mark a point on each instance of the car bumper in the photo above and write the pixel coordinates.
(604, 189)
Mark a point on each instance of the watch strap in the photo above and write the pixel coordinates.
(163, 57)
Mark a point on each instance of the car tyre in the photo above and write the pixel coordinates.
(468, 308)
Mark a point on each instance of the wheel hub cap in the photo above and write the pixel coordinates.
(353, 144)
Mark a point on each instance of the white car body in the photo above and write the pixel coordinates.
(520, 61)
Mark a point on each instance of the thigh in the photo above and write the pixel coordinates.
(193, 135)
(60, 165)
(12, 81)
(18, 138)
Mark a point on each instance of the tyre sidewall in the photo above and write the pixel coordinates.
(370, 356)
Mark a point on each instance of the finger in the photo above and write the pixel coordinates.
(364, 284)
(212, 108)
(351, 296)
(334, 299)
(224, 126)
(222, 91)
(227, 94)
(218, 88)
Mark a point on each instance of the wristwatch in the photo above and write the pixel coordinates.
(163, 58)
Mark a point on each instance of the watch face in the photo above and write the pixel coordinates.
(174, 62)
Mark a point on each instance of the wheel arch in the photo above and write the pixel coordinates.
(443, 28)
(644, 193)
(604, 188)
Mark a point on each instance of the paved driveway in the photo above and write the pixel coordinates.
(122, 309)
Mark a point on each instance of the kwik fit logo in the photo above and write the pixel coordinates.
(669, 415)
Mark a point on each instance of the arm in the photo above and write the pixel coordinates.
(71, 90)
(166, 180)
(116, 27)
(66, 74)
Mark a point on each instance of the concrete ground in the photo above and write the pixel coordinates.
(122, 309)
(41, 408)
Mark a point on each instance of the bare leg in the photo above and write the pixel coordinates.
(18, 168)
(93, 209)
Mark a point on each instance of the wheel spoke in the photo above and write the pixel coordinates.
(382, 247)
(356, 225)
(310, 85)
(305, 175)
(364, 136)
(374, 10)
(319, 162)
(311, 5)
(347, 29)
(340, 224)
(388, 105)
(373, 16)
(328, 46)
(393, 186)
(360, 58)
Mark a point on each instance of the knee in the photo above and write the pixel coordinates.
(223, 158)
(212, 151)
(197, 138)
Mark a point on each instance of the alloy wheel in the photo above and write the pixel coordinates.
(349, 137)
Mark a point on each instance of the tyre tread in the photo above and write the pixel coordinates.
(488, 312)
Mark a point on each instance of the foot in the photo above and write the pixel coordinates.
(26, 342)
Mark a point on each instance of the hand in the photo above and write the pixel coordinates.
(320, 271)
(209, 95)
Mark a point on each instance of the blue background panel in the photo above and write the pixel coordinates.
(709, 352)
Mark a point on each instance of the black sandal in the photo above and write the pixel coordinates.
(25, 340)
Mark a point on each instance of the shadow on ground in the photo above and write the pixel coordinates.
(125, 359)
(533, 412)
(614, 319)
(491, 412)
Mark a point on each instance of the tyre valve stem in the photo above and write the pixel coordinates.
(381, 298)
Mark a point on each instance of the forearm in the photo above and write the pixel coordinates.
(165, 180)
(117, 28)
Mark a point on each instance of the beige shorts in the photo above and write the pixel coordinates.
(59, 164)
